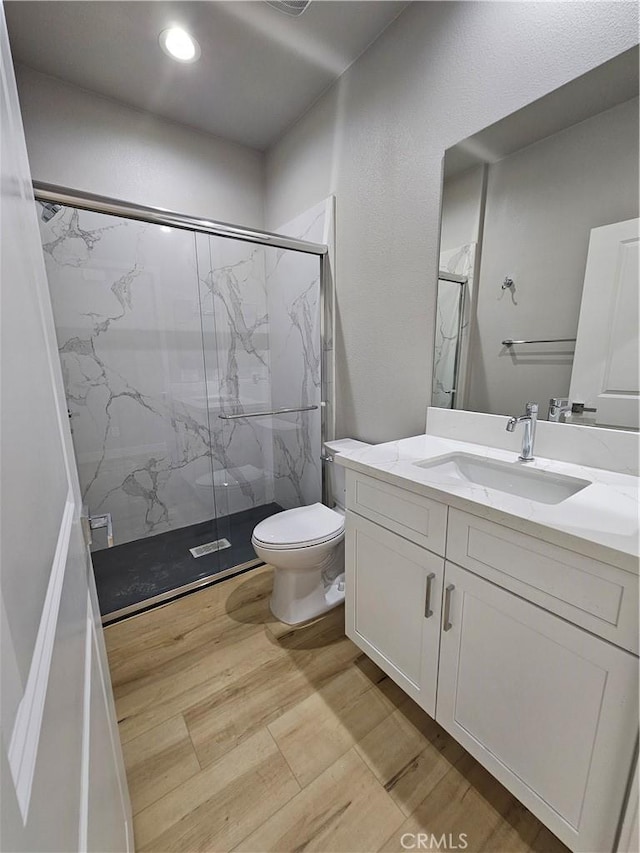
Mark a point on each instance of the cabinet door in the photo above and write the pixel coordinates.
(546, 707)
(393, 602)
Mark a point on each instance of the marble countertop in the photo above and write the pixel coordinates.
(600, 521)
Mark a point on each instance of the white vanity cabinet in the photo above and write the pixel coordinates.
(524, 656)
(393, 606)
(548, 708)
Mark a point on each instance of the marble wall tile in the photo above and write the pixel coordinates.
(293, 294)
(328, 345)
(451, 340)
(160, 331)
(236, 338)
(125, 300)
(446, 343)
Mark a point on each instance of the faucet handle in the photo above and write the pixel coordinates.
(532, 408)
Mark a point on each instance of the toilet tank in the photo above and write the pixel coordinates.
(336, 473)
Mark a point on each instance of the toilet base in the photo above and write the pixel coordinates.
(303, 610)
(301, 595)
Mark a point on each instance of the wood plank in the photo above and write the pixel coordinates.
(409, 753)
(345, 808)
(219, 806)
(235, 712)
(184, 681)
(347, 730)
(159, 761)
(546, 842)
(325, 725)
(191, 610)
(393, 694)
(470, 801)
(152, 639)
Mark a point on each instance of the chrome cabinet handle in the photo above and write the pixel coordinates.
(427, 601)
(447, 608)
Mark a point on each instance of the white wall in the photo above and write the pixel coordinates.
(376, 139)
(541, 205)
(462, 209)
(84, 141)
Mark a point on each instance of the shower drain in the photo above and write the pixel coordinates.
(210, 548)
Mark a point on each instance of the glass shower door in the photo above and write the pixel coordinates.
(261, 330)
(127, 315)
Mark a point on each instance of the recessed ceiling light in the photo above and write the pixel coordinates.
(178, 44)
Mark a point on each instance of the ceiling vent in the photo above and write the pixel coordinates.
(289, 7)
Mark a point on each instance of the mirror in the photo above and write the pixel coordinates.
(538, 276)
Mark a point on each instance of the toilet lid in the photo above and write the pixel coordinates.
(300, 527)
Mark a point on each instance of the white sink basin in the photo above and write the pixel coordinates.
(512, 478)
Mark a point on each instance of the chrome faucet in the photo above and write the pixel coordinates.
(529, 420)
(558, 407)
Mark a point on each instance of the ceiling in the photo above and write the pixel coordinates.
(259, 69)
(598, 90)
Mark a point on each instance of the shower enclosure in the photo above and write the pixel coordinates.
(192, 361)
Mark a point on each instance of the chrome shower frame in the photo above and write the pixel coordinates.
(53, 194)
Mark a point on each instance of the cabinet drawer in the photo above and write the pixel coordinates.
(599, 597)
(413, 516)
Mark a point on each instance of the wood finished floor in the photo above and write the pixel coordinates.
(241, 733)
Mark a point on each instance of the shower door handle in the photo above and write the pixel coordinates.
(103, 520)
(266, 414)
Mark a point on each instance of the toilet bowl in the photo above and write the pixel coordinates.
(305, 546)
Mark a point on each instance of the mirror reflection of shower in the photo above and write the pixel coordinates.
(450, 309)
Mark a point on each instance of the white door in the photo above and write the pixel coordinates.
(605, 374)
(549, 709)
(62, 782)
(393, 598)
(629, 841)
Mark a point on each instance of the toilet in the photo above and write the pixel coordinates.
(305, 546)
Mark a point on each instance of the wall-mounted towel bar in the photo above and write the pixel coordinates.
(509, 342)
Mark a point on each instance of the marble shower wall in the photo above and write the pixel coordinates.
(449, 339)
(126, 305)
(236, 338)
(293, 299)
(160, 331)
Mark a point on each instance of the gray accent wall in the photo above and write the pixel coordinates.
(85, 141)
